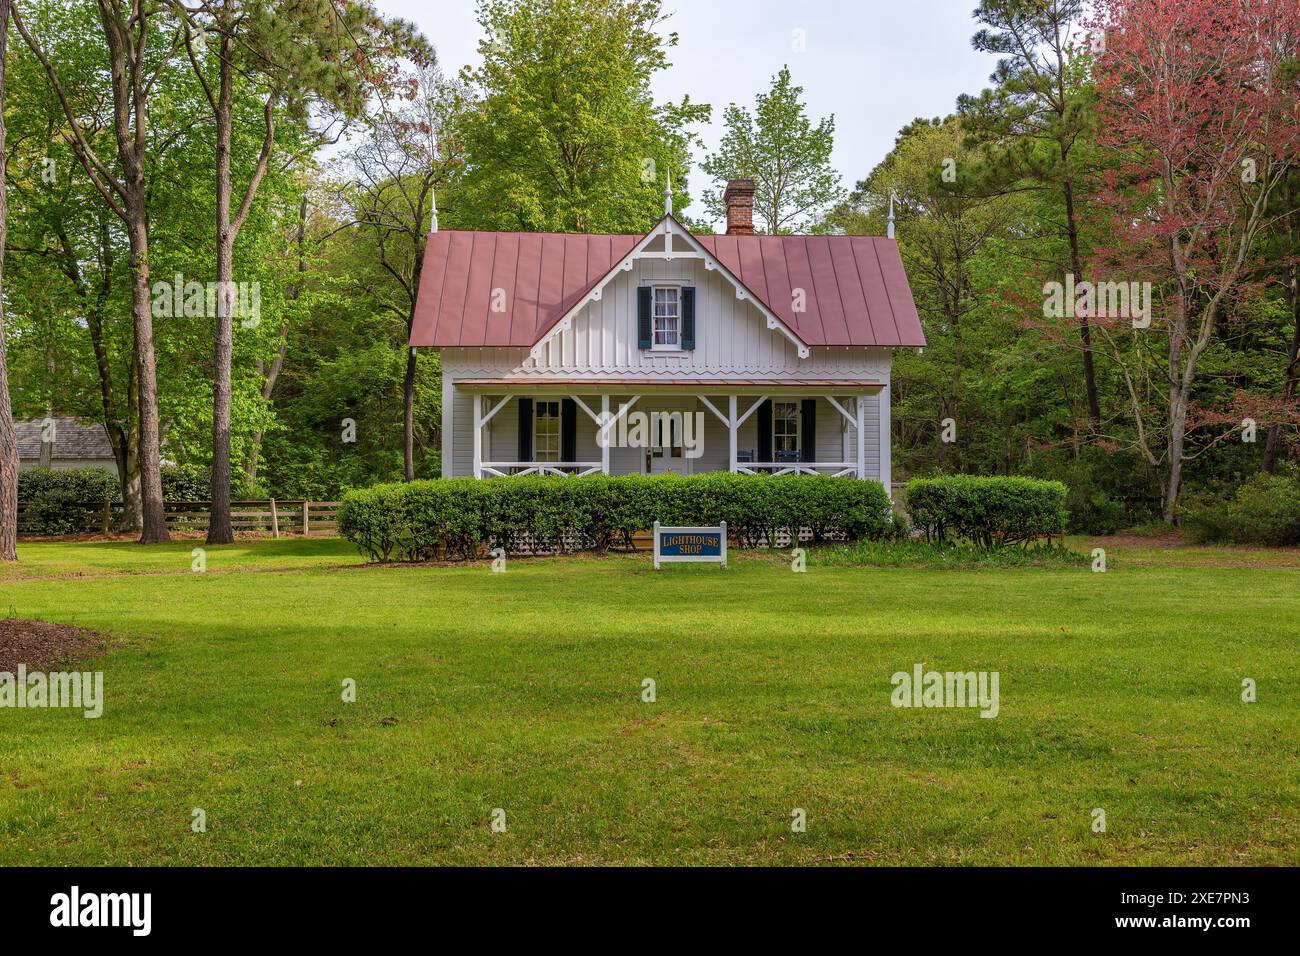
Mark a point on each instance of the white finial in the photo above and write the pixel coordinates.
(889, 231)
(433, 211)
(668, 194)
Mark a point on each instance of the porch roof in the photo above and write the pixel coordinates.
(711, 386)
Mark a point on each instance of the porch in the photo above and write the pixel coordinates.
(622, 427)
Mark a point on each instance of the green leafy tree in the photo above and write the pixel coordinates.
(304, 55)
(560, 131)
(394, 170)
(952, 240)
(1037, 121)
(779, 148)
(134, 64)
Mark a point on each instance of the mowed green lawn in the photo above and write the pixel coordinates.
(523, 691)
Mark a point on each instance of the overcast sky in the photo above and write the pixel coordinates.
(874, 64)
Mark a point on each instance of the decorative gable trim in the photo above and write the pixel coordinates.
(669, 228)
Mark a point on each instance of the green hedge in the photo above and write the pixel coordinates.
(50, 498)
(453, 517)
(987, 512)
(1264, 510)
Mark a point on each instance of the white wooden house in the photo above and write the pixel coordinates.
(778, 346)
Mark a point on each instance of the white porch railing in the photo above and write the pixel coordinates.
(837, 468)
(504, 469)
(732, 419)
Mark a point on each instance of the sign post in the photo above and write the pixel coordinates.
(691, 545)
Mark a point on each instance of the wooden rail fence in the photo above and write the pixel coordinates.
(279, 517)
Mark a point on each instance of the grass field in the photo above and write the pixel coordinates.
(523, 691)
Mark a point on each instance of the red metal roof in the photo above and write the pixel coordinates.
(856, 292)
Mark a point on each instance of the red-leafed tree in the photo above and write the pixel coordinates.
(1198, 99)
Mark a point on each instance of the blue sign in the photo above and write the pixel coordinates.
(691, 544)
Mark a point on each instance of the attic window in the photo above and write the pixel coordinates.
(667, 317)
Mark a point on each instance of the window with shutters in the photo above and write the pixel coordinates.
(546, 431)
(785, 430)
(666, 318)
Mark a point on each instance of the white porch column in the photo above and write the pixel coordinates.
(448, 425)
(862, 436)
(602, 435)
(478, 434)
(886, 454)
(732, 427)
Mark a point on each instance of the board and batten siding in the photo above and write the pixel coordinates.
(731, 338)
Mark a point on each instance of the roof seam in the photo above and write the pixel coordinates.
(893, 319)
(492, 271)
(839, 293)
(866, 302)
(442, 289)
(465, 301)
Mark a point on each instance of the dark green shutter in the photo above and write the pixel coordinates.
(525, 429)
(688, 317)
(808, 430)
(643, 316)
(764, 415)
(568, 430)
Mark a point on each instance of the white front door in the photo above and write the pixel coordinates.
(666, 454)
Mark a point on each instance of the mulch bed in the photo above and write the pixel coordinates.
(41, 645)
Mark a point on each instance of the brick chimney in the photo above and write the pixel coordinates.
(739, 197)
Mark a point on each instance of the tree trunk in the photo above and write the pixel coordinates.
(408, 413)
(122, 439)
(1274, 445)
(219, 527)
(132, 487)
(128, 86)
(153, 523)
(1085, 331)
(408, 386)
(1178, 401)
(8, 437)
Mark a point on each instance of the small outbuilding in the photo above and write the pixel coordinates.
(63, 442)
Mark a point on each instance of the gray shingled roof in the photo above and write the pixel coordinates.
(72, 439)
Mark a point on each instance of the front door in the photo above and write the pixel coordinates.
(666, 454)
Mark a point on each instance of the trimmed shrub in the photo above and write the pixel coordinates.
(455, 517)
(1264, 510)
(54, 501)
(374, 519)
(987, 512)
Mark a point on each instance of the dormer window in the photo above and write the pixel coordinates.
(667, 318)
